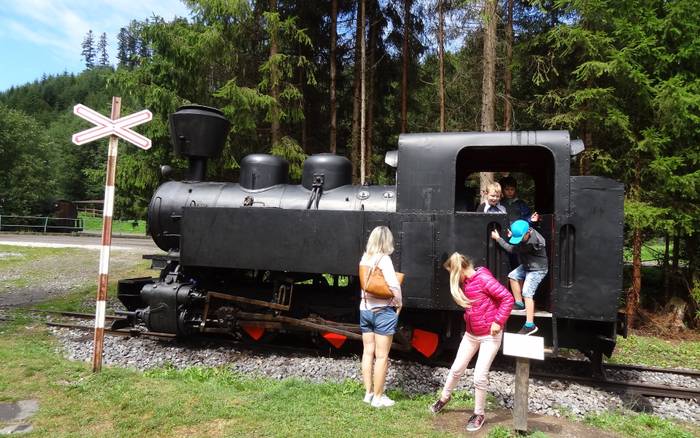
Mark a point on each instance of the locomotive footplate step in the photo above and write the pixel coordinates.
(159, 261)
(538, 313)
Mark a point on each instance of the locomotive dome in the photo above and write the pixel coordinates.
(333, 170)
(260, 171)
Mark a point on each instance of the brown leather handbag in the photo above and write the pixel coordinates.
(372, 282)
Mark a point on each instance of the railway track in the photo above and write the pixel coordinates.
(617, 385)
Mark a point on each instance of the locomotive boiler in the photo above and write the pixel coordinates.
(264, 256)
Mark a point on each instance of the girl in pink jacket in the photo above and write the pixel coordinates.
(487, 305)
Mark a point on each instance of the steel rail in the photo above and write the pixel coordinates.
(76, 314)
(634, 387)
(623, 367)
(120, 332)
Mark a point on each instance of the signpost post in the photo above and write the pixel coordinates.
(114, 127)
(524, 348)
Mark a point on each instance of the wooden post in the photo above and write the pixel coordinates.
(101, 301)
(522, 380)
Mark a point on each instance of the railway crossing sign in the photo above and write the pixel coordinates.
(116, 128)
(106, 126)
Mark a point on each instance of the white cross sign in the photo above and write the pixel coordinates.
(106, 126)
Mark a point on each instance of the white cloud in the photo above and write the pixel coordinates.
(63, 24)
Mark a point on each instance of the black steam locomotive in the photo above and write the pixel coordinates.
(263, 256)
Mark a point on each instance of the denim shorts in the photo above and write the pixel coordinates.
(530, 279)
(382, 322)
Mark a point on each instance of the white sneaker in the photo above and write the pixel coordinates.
(382, 402)
(368, 397)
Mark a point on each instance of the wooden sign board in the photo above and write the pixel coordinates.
(531, 347)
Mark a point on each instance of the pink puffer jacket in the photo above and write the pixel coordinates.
(491, 302)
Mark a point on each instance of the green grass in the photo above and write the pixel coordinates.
(94, 224)
(503, 432)
(202, 402)
(640, 425)
(652, 250)
(192, 402)
(24, 255)
(645, 350)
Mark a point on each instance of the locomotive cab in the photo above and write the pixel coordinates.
(533, 167)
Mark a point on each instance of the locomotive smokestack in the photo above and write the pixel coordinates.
(198, 133)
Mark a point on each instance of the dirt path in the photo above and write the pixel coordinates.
(54, 275)
(455, 421)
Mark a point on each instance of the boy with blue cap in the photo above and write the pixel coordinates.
(530, 247)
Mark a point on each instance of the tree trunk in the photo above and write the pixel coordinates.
(363, 100)
(441, 60)
(666, 268)
(488, 91)
(355, 153)
(676, 251)
(692, 248)
(275, 129)
(333, 103)
(370, 78)
(404, 69)
(636, 286)
(507, 74)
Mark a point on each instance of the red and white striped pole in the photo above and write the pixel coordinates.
(114, 127)
(101, 303)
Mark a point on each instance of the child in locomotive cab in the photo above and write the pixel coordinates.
(487, 305)
(378, 318)
(530, 247)
(515, 208)
(493, 200)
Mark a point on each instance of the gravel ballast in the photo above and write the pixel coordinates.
(548, 397)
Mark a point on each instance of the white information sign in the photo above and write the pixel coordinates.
(531, 347)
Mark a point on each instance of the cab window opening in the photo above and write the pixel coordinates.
(532, 167)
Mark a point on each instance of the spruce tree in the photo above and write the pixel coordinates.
(89, 50)
(122, 47)
(102, 50)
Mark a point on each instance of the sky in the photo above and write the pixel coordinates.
(44, 36)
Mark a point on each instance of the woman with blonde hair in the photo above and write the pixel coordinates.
(378, 318)
(487, 305)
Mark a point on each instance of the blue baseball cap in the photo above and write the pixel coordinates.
(517, 231)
